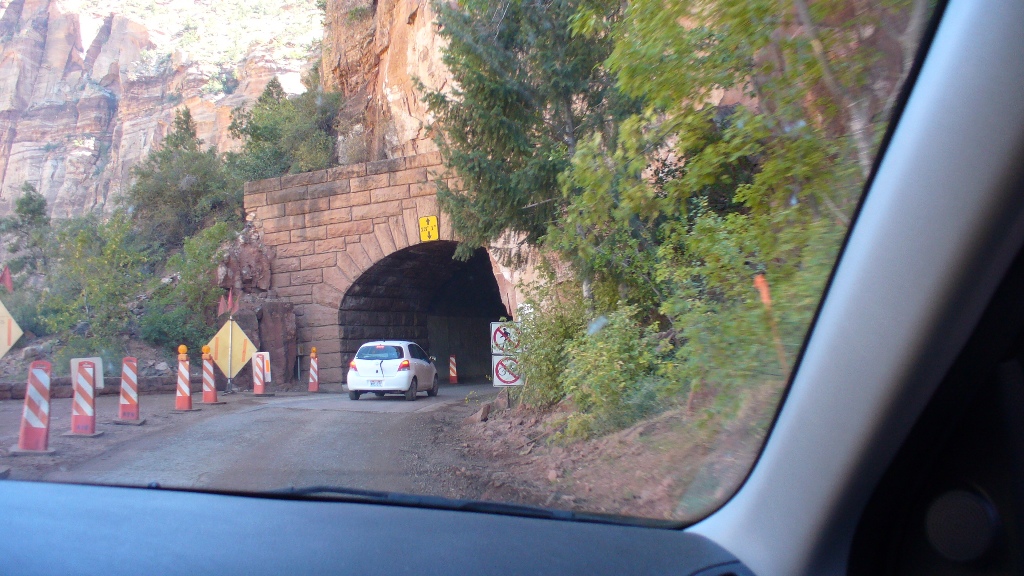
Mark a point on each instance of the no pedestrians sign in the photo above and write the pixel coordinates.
(504, 337)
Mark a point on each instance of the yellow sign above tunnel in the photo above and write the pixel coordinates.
(428, 228)
(231, 348)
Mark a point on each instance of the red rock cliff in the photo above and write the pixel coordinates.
(76, 115)
(372, 51)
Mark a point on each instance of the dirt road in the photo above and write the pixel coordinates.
(254, 444)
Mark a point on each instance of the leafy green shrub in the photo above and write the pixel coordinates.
(95, 276)
(185, 311)
(555, 315)
(286, 135)
(27, 231)
(163, 325)
(358, 14)
(611, 374)
(25, 307)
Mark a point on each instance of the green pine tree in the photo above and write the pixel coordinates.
(179, 188)
(526, 91)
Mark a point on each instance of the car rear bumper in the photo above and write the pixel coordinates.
(398, 383)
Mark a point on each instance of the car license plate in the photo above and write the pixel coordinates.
(376, 382)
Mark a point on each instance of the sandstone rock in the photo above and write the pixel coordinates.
(277, 334)
(501, 402)
(246, 262)
(30, 353)
(373, 58)
(84, 96)
(481, 415)
(161, 369)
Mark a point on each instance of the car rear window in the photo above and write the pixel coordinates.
(379, 352)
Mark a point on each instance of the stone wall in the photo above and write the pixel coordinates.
(329, 227)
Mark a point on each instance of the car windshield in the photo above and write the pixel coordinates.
(379, 352)
(602, 230)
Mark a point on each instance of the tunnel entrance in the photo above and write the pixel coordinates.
(421, 294)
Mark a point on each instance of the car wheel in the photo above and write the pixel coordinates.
(433, 389)
(410, 394)
(378, 394)
(353, 395)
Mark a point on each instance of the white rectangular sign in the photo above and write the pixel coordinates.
(504, 337)
(97, 377)
(505, 371)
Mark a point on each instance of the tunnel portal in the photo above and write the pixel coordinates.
(422, 294)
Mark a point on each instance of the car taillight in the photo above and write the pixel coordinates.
(352, 365)
(404, 365)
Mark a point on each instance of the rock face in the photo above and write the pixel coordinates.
(84, 96)
(278, 336)
(373, 52)
(246, 263)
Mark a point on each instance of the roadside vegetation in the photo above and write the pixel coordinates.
(147, 271)
(694, 164)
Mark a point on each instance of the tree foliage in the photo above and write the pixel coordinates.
(95, 278)
(184, 310)
(179, 188)
(27, 231)
(753, 129)
(526, 91)
(285, 135)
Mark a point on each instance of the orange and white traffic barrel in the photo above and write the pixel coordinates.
(128, 406)
(453, 375)
(83, 405)
(209, 384)
(183, 394)
(260, 373)
(34, 436)
(314, 371)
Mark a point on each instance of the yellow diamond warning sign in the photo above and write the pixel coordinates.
(428, 228)
(231, 348)
(9, 331)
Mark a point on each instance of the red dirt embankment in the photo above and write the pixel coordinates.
(677, 465)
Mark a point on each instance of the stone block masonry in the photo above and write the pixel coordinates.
(329, 227)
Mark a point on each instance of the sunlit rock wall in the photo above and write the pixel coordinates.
(83, 97)
(374, 53)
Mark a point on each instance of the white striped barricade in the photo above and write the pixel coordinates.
(34, 435)
(453, 375)
(209, 382)
(83, 405)
(128, 405)
(260, 373)
(314, 371)
(183, 391)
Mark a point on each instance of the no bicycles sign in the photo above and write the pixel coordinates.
(506, 371)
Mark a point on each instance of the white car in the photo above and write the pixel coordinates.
(391, 367)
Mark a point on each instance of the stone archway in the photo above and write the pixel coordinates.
(421, 294)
